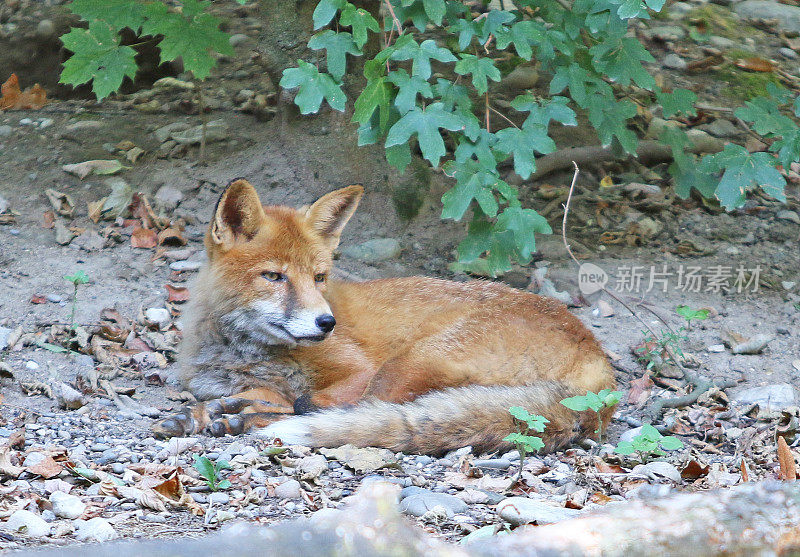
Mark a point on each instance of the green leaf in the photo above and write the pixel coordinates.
(117, 13)
(205, 468)
(478, 186)
(408, 89)
(79, 277)
(360, 21)
(522, 35)
(766, 117)
(425, 123)
(522, 143)
(692, 314)
(406, 48)
(621, 59)
(593, 400)
(680, 100)
(542, 112)
(624, 447)
(648, 433)
(610, 117)
(481, 149)
(192, 35)
(314, 87)
(376, 95)
(670, 443)
(224, 484)
(466, 30)
(522, 224)
(480, 68)
(742, 170)
(399, 156)
(577, 403)
(435, 9)
(336, 46)
(98, 57)
(453, 95)
(325, 11)
(520, 413)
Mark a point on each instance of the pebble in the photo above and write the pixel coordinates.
(290, 489)
(45, 29)
(786, 214)
(97, 529)
(159, 317)
(219, 498)
(787, 53)
(48, 515)
(168, 197)
(720, 128)
(524, 76)
(185, 265)
(665, 33)
(5, 332)
(493, 463)
(375, 250)
(163, 133)
(216, 130)
(721, 42)
(674, 62)
(419, 501)
(787, 16)
(522, 510)
(66, 505)
(33, 459)
(6, 131)
(31, 365)
(238, 39)
(27, 523)
(770, 399)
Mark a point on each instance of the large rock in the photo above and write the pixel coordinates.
(788, 17)
(66, 505)
(771, 400)
(28, 523)
(95, 530)
(522, 510)
(422, 501)
(372, 251)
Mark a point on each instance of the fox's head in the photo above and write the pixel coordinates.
(268, 266)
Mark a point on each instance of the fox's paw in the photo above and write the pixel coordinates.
(178, 425)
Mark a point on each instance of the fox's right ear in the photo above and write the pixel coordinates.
(238, 216)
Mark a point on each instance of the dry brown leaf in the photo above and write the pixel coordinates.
(171, 490)
(600, 498)
(640, 389)
(100, 167)
(61, 202)
(171, 236)
(6, 467)
(694, 470)
(37, 299)
(786, 460)
(755, 64)
(606, 468)
(705, 63)
(13, 98)
(177, 294)
(47, 468)
(95, 209)
(144, 238)
(48, 220)
(745, 473)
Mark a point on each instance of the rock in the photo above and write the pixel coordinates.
(493, 463)
(95, 530)
(522, 510)
(524, 76)
(311, 467)
(238, 39)
(786, 214)
(66, 505)
(771, 400)
(185, 265)
(787, 16)
(84, 125)
(373, 251)
(70, 398)
(673, 62)
(164, 133)
(63, 234)
(721, 42)
(45, 30)
(290, 489)
(168, 197)
(173, 83)
(216, 130)
(787, 53)
(423, 501)
(28, 523)
(657, 470)
(665, 33)
(158, 317)
(219, 498)
(5, 332)
(720, 128)
(6, 131)
(753, 345)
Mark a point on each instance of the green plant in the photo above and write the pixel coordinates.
(595, 402)
(210, 472)
(651, 352)
(435, 95)
(77, 278)
(692, 314)
(525, 422)
(649, 442)
(186, 31)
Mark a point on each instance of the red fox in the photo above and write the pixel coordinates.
(416, 364)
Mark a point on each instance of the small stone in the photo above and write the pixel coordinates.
(373, 251)
(5, 332)
(665, 33)
(771, 400)
(522, 77)
(674, 62)
(173, 83)
(66, 505)
(31, 365)
(657, 470)
(45, 30)
(290, 489)
(628, 435)
(96, 530)
(238, 39)
(70, 398)
(493, 463)
(6, 131)
(787, 53)
(522, 510)
(28, 523)
(45, 123)
(48, 515)
(420, 501)
(786, 214)
(63, 235)
(185, 265)
(721, 128)
(168, 197)
(219, 498)
(721, 42)
(215, 130)
(158, 317)
(163, 133)
(84, 125)
(787, 16)
(223, 516)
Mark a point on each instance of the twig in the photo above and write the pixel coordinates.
(503, 116)
(487, 111)
(700, 385)
(395, 21)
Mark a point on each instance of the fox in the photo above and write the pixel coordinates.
(276, 346)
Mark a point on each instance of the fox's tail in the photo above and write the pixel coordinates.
(441, 421)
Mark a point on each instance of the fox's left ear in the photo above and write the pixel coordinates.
(330, 213)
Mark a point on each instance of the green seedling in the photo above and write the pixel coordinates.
(596, 402)
(526, 423)
(649, 442)
(692, 314)
(77, 278)
(651, 352)
(210, 472)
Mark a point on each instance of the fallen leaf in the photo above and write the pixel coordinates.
(100, 167)
(177, 294)
(362, 460)
(755, 64)
(95, 209)
(744, 471)
(694, 470)
(144, 238)
(61, 202)
(48, 220)
(605, 468)
(600, 498)
(37, 299)
(46, 468)
(6, 468)
(172, 491)
(786, 460)
(171, 236)
(12, 98)
(640, 389)
(134, 153)
(606, 182)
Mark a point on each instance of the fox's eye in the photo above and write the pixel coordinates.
(320, 277)
(272, 276)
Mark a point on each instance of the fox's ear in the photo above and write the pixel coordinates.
(238, 216)
(330, 213)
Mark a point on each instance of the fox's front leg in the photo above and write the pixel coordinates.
(247, 410)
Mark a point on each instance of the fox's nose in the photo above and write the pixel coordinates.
(326, 322)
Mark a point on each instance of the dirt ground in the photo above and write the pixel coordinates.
(294, 163)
